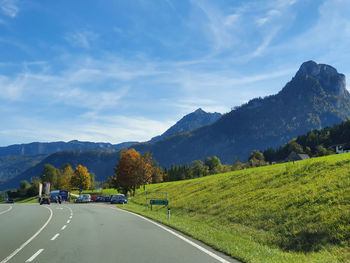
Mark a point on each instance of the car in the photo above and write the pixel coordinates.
(107, 198)
(45, 200)
(94, 197)
(83, 198)
(119, 199)
(9, 201)
(100, 199)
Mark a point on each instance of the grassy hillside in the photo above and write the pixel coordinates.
(282, 213)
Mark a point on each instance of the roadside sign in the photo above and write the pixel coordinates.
(80, 190)
(40, 189)
(159, 202)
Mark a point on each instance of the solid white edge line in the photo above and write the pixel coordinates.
(54, 237)
(63, 227)
(3, 212)
(213, 255)
(29, 240)
(35, 255)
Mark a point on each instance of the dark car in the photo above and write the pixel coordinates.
(100, 199)
(119, 199)
(45, 200)
(9, 201)
(107, 198)
(94, 197)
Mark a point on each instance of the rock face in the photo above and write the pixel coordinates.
(327, 76)
(190, 122)
(316, 97)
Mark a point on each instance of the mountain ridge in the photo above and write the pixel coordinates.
(315, 97)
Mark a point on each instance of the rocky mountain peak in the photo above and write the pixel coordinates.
(323, 76)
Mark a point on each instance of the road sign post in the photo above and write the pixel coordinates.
(155, 198)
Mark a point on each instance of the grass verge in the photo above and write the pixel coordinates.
(283, 213)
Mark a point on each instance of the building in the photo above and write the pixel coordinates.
(342, 148)
(293, 156)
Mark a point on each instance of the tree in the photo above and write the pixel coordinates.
(50, 174)
(157, 175)
(295, 147)
(145, 169)
(23, 188)
(214, 164)
(66, 177)
(256, 158)
(199, 169)
(133, 170)
(33, 189)
(81, 178)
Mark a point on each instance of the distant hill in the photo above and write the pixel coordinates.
(24, 163)
(40, 148)
(13, 165)
(316, 97)
(102, 163)
(190, 122)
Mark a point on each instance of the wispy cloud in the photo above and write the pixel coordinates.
(9, 8)
(83, 38)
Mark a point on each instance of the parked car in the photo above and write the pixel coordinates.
(119, 199)
(83, 198)
(45, 200)
(94, 197)
(100, 199)
(107, 198)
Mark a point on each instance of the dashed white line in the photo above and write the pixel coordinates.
(54, 237)
(70, 217)
(35, 255)
(68, 221)
(3, 212)
(29, 240)
(63, 227)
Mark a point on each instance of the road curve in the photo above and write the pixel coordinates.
(92, 233)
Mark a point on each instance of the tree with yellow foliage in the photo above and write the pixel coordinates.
(67, 173)
(81, 178)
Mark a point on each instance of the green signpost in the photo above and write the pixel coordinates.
(159, 202)
(157, 198)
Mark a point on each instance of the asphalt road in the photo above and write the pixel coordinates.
(92, 233)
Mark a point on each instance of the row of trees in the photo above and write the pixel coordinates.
(64, 178)
(67, 178)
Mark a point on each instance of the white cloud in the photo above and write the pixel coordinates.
(9, 8)
(83, 38)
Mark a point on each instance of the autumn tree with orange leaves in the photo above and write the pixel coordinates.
(81, 178)
(133, 170)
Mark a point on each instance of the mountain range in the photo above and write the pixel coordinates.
(315, 97)
(23, 161)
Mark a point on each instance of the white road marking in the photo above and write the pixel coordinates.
(3, 212)
(54, 237)
(213, 255)
(70, 217)
(29, 240)
(63, 227)
(68, 221)
(35, 255)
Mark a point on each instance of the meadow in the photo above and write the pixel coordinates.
(292, 212)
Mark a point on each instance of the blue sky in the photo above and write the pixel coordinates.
(115, 71)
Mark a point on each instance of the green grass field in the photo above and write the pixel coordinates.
(281, 213)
